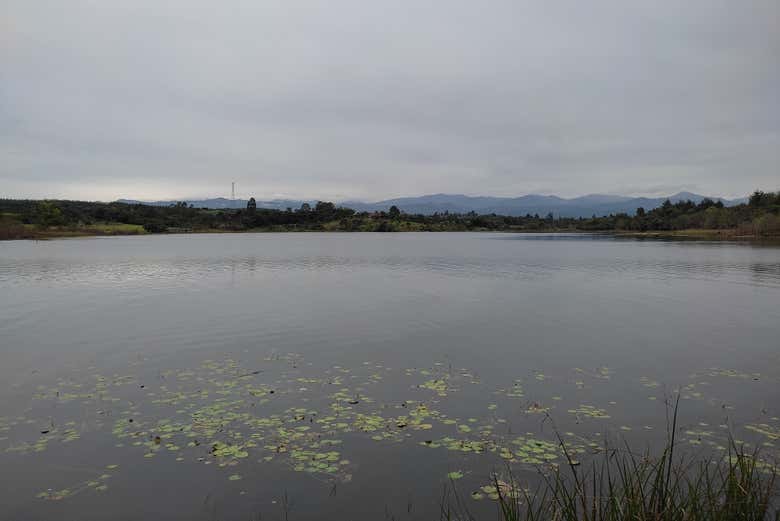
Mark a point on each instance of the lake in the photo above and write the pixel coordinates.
(354, 376)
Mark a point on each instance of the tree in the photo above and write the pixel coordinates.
(251, 206)
(394, 212)
(384, 226)
(324, 207)
(305, 207)
(48, 214)
(761, 199)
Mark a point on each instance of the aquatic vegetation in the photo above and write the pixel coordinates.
(729, 373)
(465, 445)
(222, 450)
(717, 440)
(43, 441)
(647, 382)
(589, 411)
(601, 373)
(537, 408)
(623, 485)
(515, 391)
(98, 484)
(498, 488)
(772, 433)
(439, 385)
(690, 391)
(528, 449)
(644, 488)
(229, 414)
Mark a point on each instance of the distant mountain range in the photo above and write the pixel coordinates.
(584, 206)
(221, 203)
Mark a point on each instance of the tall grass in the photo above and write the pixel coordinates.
(624, 486)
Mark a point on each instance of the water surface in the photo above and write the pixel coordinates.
(353, 372)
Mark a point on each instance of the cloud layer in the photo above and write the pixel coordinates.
(344, 99)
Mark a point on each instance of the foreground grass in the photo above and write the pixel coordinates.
(625, 486)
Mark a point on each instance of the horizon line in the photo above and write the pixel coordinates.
(372, 201)
(376, 201)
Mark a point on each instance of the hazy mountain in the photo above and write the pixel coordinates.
(583, 206)
(219, 202)
(222, 203)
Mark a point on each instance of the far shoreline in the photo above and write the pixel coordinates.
(685, 234)
(756, 219)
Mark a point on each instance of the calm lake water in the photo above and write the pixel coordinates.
(345, 376)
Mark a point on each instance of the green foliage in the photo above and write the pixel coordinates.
(761, 199)
(48, 214)
(760, 217)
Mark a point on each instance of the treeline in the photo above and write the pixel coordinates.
(159, 219)
(758, 217)
(28, 218)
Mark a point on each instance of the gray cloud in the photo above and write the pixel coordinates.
(351, 99)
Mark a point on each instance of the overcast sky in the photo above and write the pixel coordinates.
(369, 99)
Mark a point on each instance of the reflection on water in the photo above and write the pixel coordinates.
(496, 328)
(185, 259)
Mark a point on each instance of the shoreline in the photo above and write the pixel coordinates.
(730, 234)
(758, 219)
(686, 234)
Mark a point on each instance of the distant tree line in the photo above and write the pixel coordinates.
(759, 216)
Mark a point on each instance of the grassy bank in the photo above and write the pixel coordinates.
(729, 234)
(33, 232)
(15, 230)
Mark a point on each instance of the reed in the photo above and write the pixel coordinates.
(622, 485)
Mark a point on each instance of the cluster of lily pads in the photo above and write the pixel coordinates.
(226, 413)
(98, 484)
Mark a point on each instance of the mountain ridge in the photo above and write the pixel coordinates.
(581, 206)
